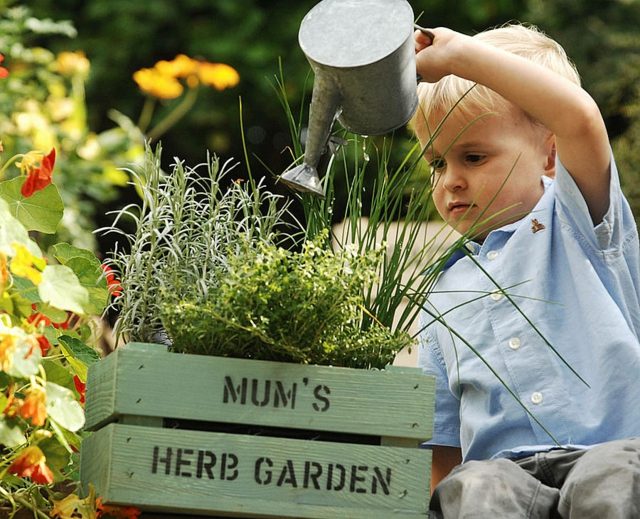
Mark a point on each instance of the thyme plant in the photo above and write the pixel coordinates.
(277, 304)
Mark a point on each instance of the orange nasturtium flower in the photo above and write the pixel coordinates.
(119, 512)
(13, 402)
(181, 66)
(34, 406)
(31, 463)
(39, 177)
(80, 387)
(44, 344)
(40, 321)
(161, 81)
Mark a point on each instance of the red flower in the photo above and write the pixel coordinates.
(80, 387)
(119, 512)
(39, 178)
(113, 284)
(37, 318)
(3, 71)
(71, 320)
(44, 344)
(31, 463)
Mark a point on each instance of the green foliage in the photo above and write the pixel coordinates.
(205, 266)
(40, 212)
(274, 304)
(43, 106)
(46, 344)
(185, 230)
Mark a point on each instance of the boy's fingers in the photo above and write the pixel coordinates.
(423, 38)
(424, 34)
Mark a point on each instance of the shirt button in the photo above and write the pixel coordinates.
(492, 254)
(514, 343)
(496, 296)
(536, 397)
(471, 247)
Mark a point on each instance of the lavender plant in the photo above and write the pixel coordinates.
(189, 223)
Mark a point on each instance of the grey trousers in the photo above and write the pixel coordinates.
(599, 483)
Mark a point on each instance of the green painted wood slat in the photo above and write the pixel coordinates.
(146, 381)
(194, 472)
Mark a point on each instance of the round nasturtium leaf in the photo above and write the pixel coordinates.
(40, 212)
(10, 433)
(60, 287)
(63, 407)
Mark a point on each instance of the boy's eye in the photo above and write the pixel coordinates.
(474, 158)
(438, 165)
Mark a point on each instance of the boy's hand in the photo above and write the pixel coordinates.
(435, 52)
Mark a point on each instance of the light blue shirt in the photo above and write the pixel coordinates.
(576, 284)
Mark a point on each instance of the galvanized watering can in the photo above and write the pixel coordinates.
(362, 54)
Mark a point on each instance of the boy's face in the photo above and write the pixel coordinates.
(486, 173)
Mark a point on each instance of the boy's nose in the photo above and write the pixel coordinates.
(452, 180)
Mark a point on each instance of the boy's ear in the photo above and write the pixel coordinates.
(550, 152)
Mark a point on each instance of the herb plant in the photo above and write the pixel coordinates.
(186, 229)
(276, 304)
(207, 267)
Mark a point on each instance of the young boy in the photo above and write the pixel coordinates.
(532, 329)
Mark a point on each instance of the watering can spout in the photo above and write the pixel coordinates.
(303, 178)
(362, 54)
(323, 111)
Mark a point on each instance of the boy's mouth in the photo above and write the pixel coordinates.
(457, 208)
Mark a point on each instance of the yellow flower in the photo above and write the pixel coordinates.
(15, 343)
(162, 80)
(156, 84)
(179, 67)
(73, 63)
(30, 161)
(7, 348)
(26, 265)
(72, 507)
(4, 272)
(218, 75)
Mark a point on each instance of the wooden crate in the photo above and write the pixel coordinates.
(256, 438)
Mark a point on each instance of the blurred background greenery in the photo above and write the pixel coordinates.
(254, 36)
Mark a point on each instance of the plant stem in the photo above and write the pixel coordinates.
(174, 116)
(145, 115)
(8, 163)
(31, 507)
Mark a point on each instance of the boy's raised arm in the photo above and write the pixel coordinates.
(561, 106)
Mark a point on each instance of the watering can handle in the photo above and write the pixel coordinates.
(428, 33)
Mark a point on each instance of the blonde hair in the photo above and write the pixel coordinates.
(470, 98)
